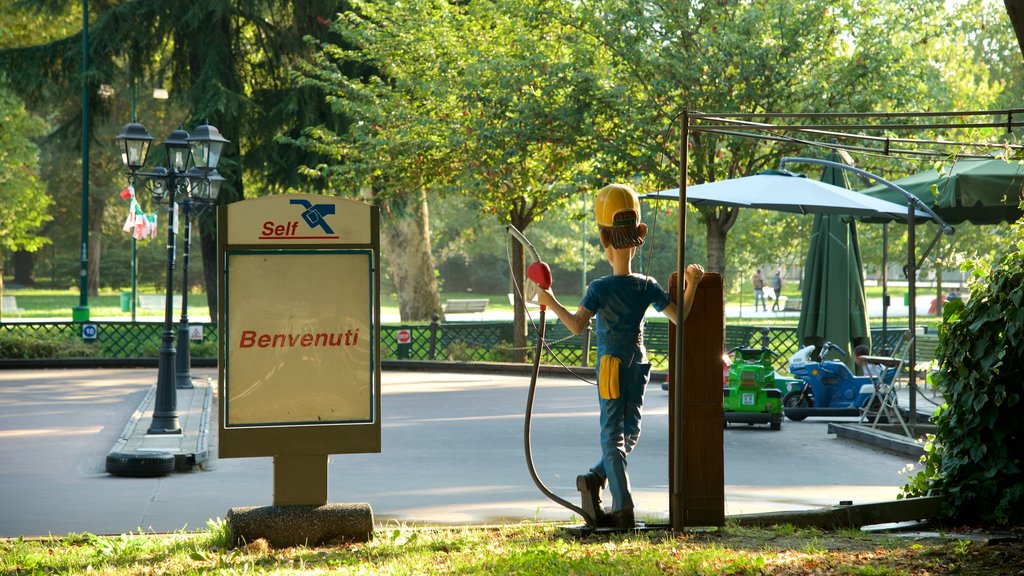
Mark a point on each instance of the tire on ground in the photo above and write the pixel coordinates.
(794, 399)
(140, 464)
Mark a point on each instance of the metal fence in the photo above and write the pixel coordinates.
(454, 341)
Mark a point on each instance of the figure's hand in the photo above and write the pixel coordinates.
(694, 272)
(545, 297)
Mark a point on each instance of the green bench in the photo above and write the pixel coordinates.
(925, 348)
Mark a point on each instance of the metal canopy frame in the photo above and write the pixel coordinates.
(843, 131)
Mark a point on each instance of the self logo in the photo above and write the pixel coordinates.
(314, 219)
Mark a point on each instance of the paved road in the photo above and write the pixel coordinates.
(452, 453)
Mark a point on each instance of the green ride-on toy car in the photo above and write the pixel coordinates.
(753, 394)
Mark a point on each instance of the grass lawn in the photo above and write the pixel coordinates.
(59, 303)
(38, 303)
(527, 549)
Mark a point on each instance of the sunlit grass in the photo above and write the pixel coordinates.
(52, 303)
(526, 548)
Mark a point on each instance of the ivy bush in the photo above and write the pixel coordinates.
(975, 457)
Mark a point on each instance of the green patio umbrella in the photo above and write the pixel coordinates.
(834, 305)
(982, 191)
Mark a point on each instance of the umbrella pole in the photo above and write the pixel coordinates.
(885, 287)
(912, 311)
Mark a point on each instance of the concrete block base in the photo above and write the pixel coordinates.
(284, 526)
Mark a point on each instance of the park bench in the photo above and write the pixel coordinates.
(926, 345)
(465, 306)
(790, 304)
(151, 301)
(10, 305)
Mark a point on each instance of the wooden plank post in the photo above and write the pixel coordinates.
(697, 463)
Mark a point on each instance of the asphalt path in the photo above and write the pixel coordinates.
(452, 453)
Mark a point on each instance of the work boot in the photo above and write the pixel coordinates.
(622, 519)
(604, 518)
(590, 486)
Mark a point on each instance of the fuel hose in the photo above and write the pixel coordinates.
(539, 273)
(526, 431)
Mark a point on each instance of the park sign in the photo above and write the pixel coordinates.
(299, 329)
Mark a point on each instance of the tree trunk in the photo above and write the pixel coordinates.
(208, 252)
(1015, 10)
(519, 328)
(520, 217)
(232, 190)
(405, 243)
(24, 268)
(717, 222)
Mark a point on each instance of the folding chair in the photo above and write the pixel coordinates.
(884, 385)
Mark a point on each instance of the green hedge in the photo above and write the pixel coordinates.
(976, 457)
(42, 347)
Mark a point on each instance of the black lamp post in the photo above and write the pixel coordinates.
(172, 184)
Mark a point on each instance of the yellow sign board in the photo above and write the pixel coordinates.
(298, 326)
(300, 338)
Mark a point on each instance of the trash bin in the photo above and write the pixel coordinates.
(906, 298)
(126, 301)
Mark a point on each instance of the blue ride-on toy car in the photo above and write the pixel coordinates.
(830, 388)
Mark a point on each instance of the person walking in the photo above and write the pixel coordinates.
(777, 286)
(758, 282)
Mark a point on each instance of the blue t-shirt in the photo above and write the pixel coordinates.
(620, 303)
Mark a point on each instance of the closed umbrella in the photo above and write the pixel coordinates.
(833, 301)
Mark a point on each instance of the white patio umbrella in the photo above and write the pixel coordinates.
(785, 191)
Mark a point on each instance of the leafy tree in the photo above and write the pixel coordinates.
(460, 106)
(531, 101)
(773, 56)
(225, 62)
(375, 163)
(17, 27)
(23, 202)
(491, 100)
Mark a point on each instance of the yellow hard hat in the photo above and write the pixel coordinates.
(617, 205)
(618, 216)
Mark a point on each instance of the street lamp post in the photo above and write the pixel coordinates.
(172, 184)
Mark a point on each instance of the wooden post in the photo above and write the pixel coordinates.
(697, 496)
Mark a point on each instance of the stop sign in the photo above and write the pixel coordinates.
(404, 336)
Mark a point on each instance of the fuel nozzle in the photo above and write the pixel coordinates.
(540, 273)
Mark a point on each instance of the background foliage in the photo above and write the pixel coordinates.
(977, 456)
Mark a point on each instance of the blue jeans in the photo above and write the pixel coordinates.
(759, 295)
(620, 431)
